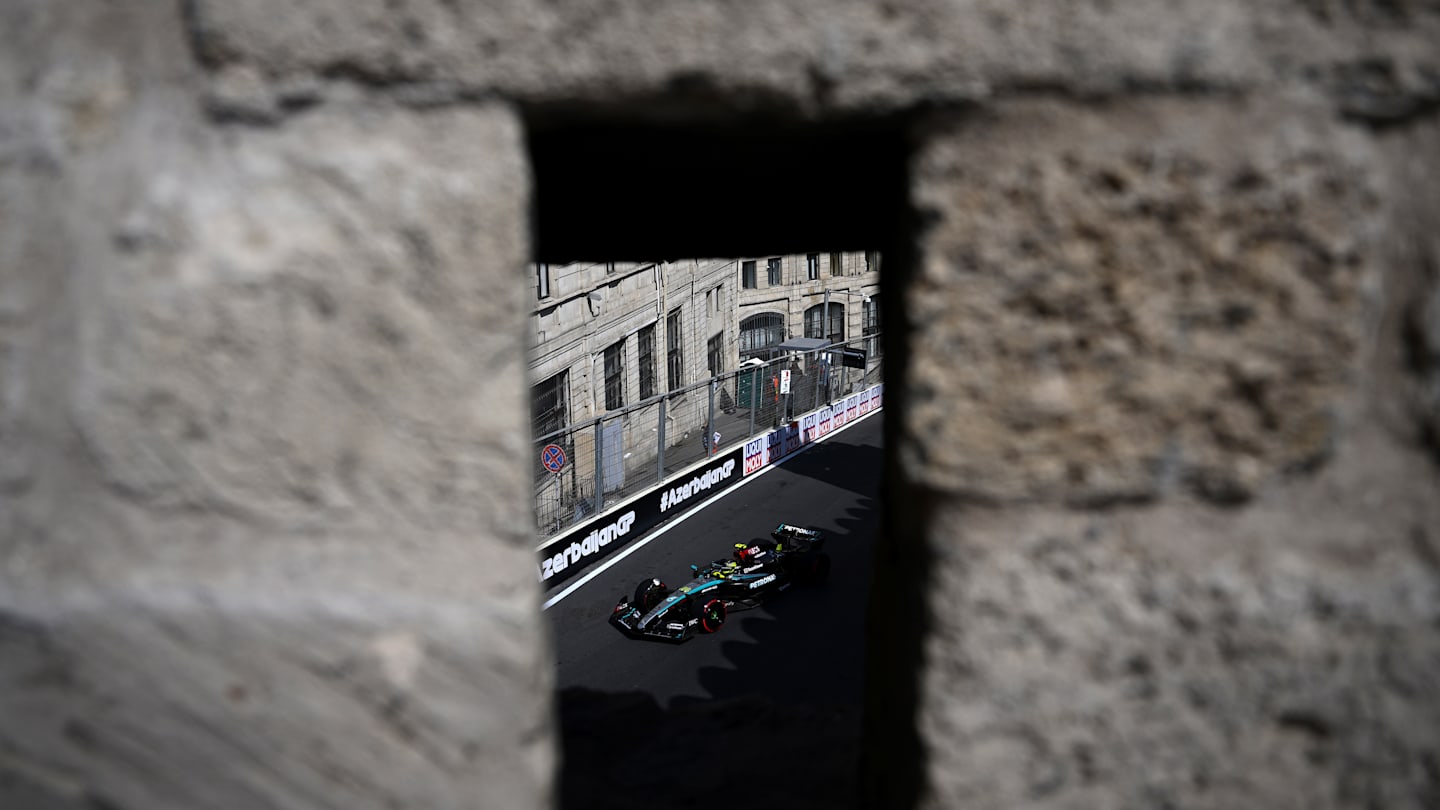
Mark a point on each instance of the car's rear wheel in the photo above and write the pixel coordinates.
(815, 568)
(648, 594)
(712, 616)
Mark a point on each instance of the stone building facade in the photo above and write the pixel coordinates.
(609, 335)
(612, 334)
(786, 296)
(1162, 370)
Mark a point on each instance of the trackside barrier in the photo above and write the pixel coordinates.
(582, 470)
(564, 556)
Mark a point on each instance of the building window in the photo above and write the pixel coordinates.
(674, 349)
(646, 338)
(774, 275)
(609, 267)
(719, 298)
(542, 280)
(837, 264)
(714, 358)
(747, 275)
(872, 327)
(759, 333)
(816, 328)
(812, 266)
(872, 261)
(547, 402)
(615, 375)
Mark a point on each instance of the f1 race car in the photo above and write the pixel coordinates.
(759, 569)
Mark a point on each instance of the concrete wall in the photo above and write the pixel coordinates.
(1162, 412)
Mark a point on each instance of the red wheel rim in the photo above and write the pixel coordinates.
(712, 615)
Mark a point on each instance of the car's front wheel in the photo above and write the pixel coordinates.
(648, 594)
(712, 616)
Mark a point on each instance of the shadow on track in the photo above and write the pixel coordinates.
(781, 725)
(623, 751)
(805, 646)
(824, 460)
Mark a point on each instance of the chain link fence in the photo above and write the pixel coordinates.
(631, 449)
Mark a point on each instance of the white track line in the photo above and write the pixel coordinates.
(639, 544)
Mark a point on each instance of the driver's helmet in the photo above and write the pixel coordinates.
(748, 554)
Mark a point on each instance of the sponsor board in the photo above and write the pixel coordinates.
(779, 443)
(757, 454)
(565, 555)
(770, 448)
(591, 544)
(763, 450)
(676, 495)
(793, 439)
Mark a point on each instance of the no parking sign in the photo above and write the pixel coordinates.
(553, 457)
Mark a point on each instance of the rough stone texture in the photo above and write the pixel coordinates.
(264, 538)
(1414, 196)
(1424, 326)
(318, 324)
(805, 57)
(1174, 289)
(1139, 311)
(1277, 656)
(1120, 301)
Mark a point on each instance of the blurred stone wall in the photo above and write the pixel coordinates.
(1164, 412)
(266, 535)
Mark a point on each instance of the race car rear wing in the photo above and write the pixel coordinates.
(797, 535)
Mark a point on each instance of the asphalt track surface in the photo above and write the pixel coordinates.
(804, 645)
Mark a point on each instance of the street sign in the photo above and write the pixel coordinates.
(553, 457)
(785, 381)
(852, 358)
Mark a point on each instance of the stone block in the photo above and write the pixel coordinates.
(264, 509)
(1112, 306)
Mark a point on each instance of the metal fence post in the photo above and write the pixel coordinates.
(559, 504)
(754, 403)
(819, 367)
(660, 448)
(599, 465)
(710, 421)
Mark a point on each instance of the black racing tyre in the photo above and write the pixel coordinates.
(648, 594)
(712, 616)
(816, 568)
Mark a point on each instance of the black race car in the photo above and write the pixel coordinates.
(758, 570)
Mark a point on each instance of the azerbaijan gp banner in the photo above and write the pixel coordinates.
(565, 555)
(568, 554)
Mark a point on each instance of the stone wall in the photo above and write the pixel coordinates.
(1165, 376)
(265, 530)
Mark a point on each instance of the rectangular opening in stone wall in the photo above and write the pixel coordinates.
(608, 192)
(685, 404)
